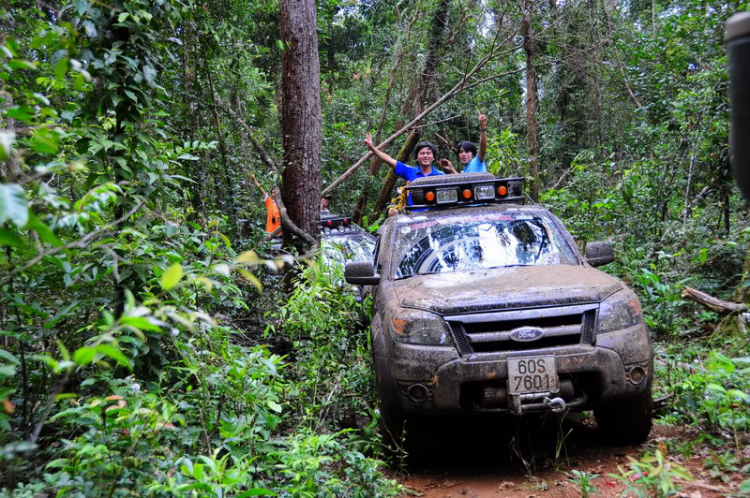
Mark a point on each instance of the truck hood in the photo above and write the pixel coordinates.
(505, 288)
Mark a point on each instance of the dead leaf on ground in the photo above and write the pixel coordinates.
(450, 484)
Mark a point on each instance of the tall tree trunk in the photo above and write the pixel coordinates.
(594, 41)
(301, 115)
(427, 80)
(192, 117)
(413, 104)
(606, 6)
(375, 162)
(528, 45)
(223, 148)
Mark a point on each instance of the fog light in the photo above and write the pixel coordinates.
(418, 392)
(501, 190)
(467, 194)
(430, 196)
(636, 375)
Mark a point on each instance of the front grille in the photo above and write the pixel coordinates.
(491, 332)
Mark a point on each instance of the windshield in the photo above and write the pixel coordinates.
(466, 243)
(343, 249)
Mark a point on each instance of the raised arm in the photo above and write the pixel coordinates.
(382, 155)
(259, 187)
(482, 136)
(447, 166)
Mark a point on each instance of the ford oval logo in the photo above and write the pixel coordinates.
(526, 334)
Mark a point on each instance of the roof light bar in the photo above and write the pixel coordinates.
(339, 224)
(463, 190)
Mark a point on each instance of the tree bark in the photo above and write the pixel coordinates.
(301, 115)
(414, 104)
(528, 46)
(375, 162)
(223, 149)
(192, 117)
(427, 81)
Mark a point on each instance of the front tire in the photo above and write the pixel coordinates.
(626, 421)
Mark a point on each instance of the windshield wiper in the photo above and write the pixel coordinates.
(505, 266)
(405, 277)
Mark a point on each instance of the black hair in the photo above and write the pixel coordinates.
(328, 196)
(468, 147)
(422, 145)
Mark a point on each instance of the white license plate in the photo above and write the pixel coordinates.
(533, 374)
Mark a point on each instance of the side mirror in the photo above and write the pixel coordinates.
(361, 273)
(599, 253)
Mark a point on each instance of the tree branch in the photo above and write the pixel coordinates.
(714, 303)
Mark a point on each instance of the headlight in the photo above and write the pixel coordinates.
(619, 311)
(484, 192)
(447, 196)
(418, 327)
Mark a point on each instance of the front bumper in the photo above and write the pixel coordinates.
(438, 380)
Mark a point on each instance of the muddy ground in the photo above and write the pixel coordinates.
(529, 458)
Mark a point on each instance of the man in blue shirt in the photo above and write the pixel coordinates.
(467, 152)
(425, 155)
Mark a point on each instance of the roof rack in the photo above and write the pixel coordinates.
(466, 189)
(338, 225)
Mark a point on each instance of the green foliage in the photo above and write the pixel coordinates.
(583, 480)
(502, 154)
(709, 391)
(134, 293)
(652, 475)
(332, 363)
(124, 369)
(720, 463)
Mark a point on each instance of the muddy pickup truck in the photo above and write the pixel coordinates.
(484, 305)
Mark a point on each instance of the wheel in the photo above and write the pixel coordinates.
(628, 420)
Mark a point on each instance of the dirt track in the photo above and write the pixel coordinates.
(456, 460)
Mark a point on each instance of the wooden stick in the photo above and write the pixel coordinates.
(714, 303)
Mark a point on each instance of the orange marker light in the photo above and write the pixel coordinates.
(467, 194)
(501, 190)
(430, 196)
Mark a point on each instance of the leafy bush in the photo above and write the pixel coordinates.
(710, 392)
(332, 362)
(652, 475)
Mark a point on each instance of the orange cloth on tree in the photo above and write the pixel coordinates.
(273, 217)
